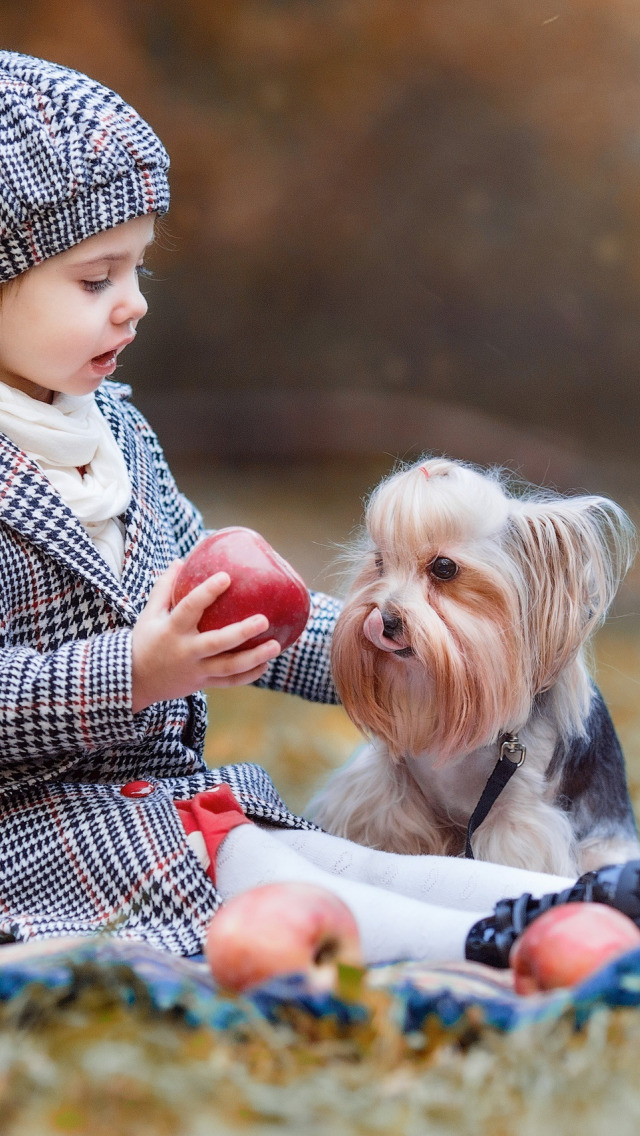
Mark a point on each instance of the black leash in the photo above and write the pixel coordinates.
(512, 755)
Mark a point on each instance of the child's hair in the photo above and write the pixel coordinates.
(75, 160)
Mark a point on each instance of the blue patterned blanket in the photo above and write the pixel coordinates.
(416, 991)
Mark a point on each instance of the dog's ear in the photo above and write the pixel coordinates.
(572, 554)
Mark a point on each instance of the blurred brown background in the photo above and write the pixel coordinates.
(397, 226)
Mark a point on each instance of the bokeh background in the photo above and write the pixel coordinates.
(397, 226)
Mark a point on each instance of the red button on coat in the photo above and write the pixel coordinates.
(137, 789)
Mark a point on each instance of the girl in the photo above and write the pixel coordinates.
(101, 719)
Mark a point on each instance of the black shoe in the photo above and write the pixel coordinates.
(490, 940)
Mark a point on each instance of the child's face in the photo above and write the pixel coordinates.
(64, 322)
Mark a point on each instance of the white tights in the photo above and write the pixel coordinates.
(406, 907)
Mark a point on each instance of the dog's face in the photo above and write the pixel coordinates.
(466, 604)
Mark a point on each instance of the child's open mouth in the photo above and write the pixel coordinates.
(105, 362)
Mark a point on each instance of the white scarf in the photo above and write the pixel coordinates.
(63, 438)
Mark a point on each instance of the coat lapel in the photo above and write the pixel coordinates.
(31, 506)
(142, 519)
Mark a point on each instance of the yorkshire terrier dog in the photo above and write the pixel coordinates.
(461, 647)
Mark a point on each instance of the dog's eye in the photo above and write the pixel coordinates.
(443, 568)
(378, 563)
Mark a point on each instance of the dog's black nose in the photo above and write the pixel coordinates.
(392, 625)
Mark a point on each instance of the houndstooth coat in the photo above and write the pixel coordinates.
(77, 855)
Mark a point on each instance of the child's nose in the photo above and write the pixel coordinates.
(130, 305)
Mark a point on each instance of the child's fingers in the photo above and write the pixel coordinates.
(243, 679)
(235, 667)
(188, 613)
(160, 594)
(223, 639)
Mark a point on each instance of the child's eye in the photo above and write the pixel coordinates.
(96, 285)
(142, 271)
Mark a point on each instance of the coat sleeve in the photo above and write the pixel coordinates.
(305, 669)
(66, 702)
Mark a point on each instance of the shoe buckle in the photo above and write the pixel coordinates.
(513, 750)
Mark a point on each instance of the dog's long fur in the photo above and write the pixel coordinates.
(434, 670)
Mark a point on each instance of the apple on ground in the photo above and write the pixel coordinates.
(567, 943)
(262, 583)
(282, 928)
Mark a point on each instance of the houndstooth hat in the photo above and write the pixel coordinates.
(75, 160)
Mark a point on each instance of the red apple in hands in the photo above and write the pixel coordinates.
(567, 943)
(283, 928)
(262, 583)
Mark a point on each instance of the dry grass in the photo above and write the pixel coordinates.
(96, 1067)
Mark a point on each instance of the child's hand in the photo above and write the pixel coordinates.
(172, 659)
